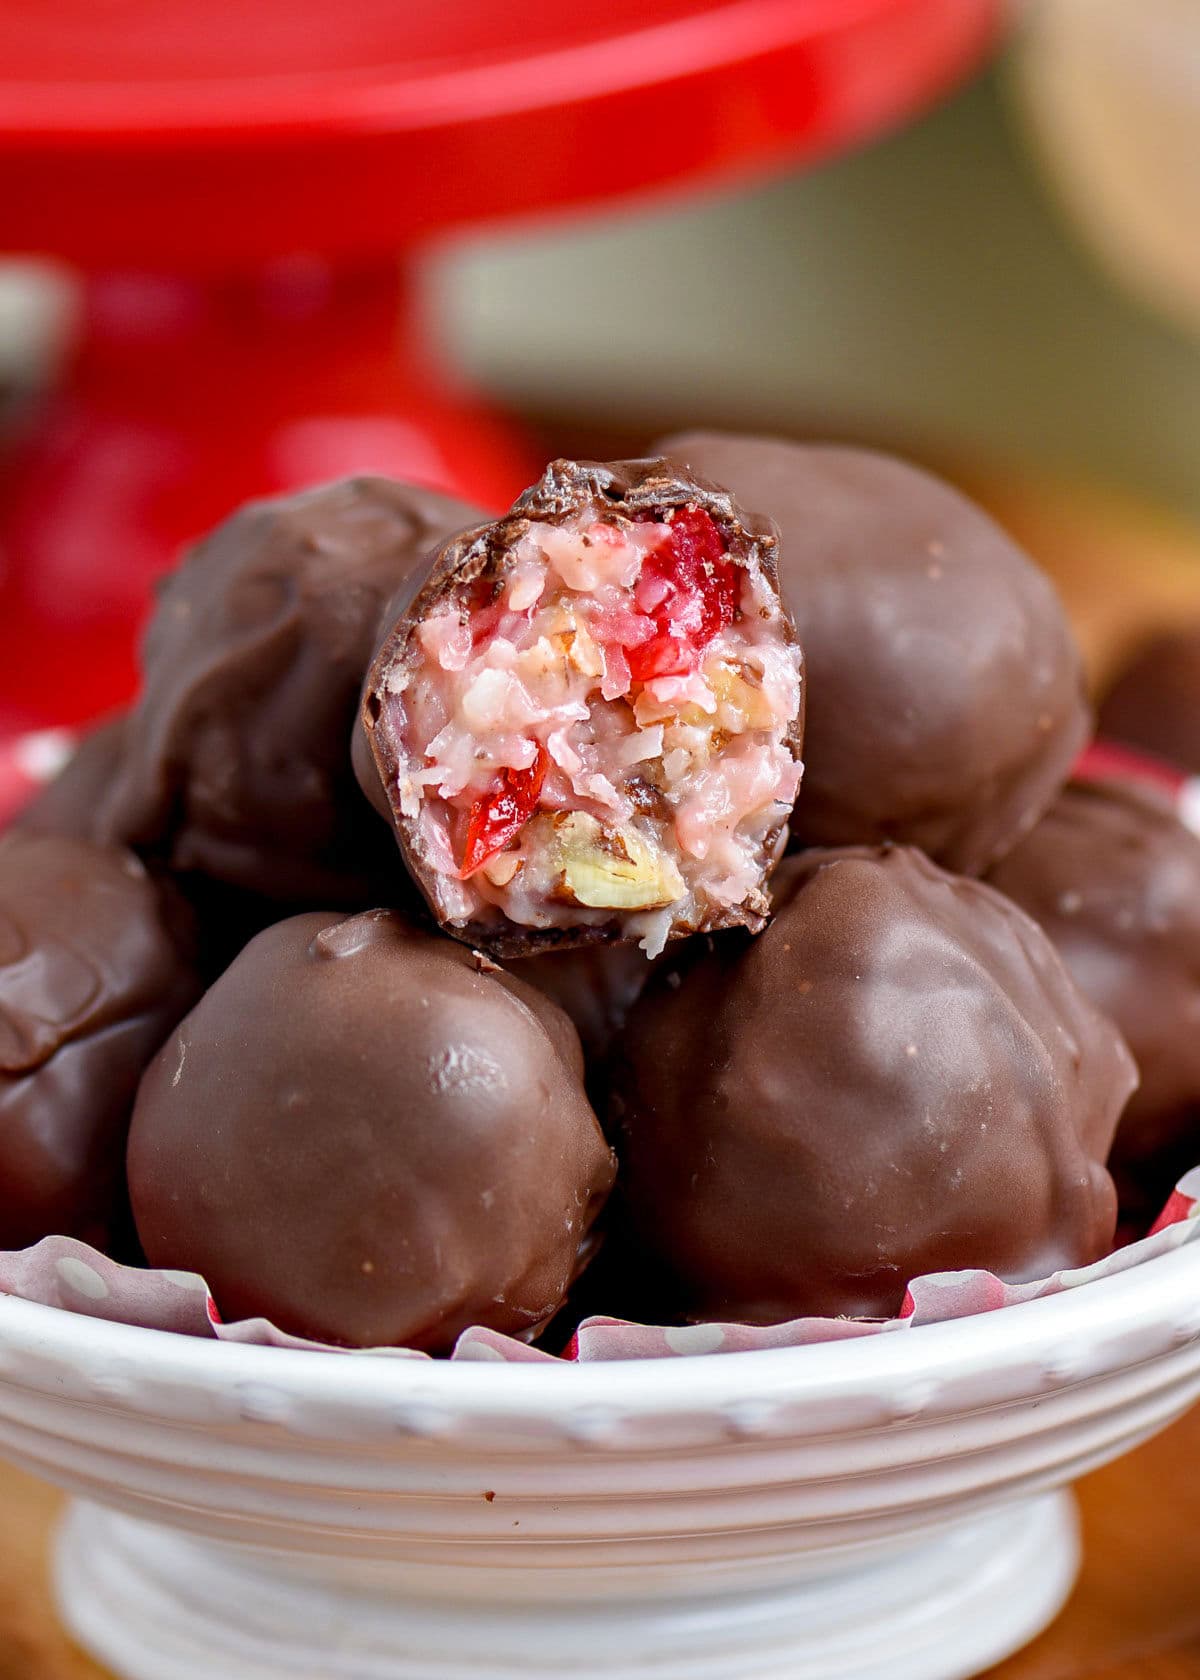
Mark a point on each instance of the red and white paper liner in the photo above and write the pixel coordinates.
(61, 1272)
(1105, 761)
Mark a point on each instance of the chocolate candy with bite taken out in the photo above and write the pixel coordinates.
(898, 1076)
(371, 1136)
(947, 701)
(585, 723)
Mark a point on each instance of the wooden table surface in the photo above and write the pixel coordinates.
(1135, 1614)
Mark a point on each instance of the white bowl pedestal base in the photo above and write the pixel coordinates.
(154, 1603)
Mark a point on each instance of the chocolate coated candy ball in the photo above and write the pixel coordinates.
(1154, 703)
(946, 703)
(897, 1077)
(370, 1136)
(597, 985)
(68, 804)
(94, 972)
(235, 760)
(1113, 877)
(225, 918)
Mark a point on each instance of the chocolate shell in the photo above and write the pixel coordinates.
(947, 697)
(1113, 878)
(225, 918)
(371, 1136)
(68, 804)
(897, 1077)
(597, 986)
(235, 759)
(1154, 702)
(94, 972)
(540, 649)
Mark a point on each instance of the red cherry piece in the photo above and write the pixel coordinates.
(498, 818)
(694, 590)
(485, 622)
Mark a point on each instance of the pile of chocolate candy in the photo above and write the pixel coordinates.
(450, 933)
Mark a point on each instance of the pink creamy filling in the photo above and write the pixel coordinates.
(652, 800)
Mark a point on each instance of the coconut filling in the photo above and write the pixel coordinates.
(602, 731)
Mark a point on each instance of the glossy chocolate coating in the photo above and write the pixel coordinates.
(94, 972)
(617, 488)
(371, 1136)
(897, 1077)
(225, 918)
(946, 703)
(1113, 877)
(68, 805)
(597, 986)
(235, 762)
(1154, 702)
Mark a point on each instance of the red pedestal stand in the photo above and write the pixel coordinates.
(185, 399)
(180, 156)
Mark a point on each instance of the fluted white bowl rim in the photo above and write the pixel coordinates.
(1099, 1327)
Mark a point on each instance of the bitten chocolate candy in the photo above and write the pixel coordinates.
(897, 1077)
(946, 703)
(1154, 703)
(371, 1136)
(586, 722)
(235, 759)
(94, 972)
(1113, 877)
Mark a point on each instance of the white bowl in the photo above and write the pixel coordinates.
(888, 1506)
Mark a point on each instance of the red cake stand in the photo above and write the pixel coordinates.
(233, 180)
